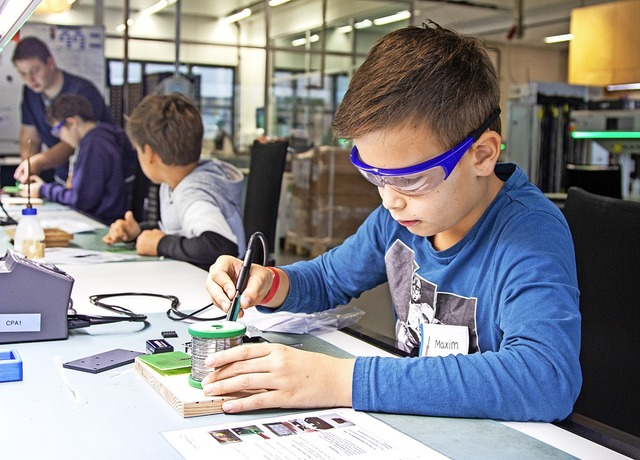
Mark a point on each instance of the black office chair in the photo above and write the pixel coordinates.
(139, 194)
(599, 179)
(606, 235)
(262, 196)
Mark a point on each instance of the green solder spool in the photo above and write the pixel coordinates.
(207, 338)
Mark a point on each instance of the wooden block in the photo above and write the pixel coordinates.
(56, 238)
(53, 237)
(175, 389)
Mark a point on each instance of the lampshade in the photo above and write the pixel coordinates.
(54, 6)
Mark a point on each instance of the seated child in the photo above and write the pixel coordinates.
(102, 169)
(200, 200)
(478, 261)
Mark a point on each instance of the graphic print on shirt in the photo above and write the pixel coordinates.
(417, 300)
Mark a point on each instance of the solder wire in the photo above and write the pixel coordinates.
(202, 347)
(210, 337)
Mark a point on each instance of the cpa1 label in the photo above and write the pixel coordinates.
(29, 322)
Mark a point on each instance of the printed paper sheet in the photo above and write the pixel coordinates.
(328, 434)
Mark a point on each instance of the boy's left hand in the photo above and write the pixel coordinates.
(147, 242)
(293, 378)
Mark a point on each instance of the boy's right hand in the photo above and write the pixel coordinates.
(22, 171)
(126, 229)
(221, 283)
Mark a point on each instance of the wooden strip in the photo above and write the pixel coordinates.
(175, 389)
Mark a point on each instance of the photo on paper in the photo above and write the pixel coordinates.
(340, 422)
(300, 426)
(281, 428)
(317, 423)
(250, 431)
(224, 436)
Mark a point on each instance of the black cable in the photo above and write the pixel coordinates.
(265, 246)
(75, 321)
(97, 301)
(175, 315)
(8, 220)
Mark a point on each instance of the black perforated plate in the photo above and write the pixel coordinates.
(103, 361)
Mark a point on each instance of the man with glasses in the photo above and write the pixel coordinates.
(43, 83)
(496, 315)
(102, 169)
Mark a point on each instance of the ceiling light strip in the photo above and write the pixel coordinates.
(558, 38)
(237, 16)
(363, 24)
(399, 16)
(624, 87)
(154, 8)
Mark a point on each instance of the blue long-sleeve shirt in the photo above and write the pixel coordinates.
(101, 182)
(511, 280)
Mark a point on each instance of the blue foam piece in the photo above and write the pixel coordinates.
(10, 366)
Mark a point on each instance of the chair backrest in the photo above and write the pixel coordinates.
(606, 236)
(140, 194)
(145, 199)
(262, 196)
(599, 179)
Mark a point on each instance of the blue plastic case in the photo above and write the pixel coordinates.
(10, 366)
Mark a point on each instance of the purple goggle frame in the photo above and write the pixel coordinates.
(423, 177)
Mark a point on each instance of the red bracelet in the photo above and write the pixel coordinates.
(274, 287)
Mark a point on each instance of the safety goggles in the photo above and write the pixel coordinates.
(422, 177)
(55, 129)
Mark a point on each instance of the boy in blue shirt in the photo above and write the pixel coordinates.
(100, 180)
(470, 249)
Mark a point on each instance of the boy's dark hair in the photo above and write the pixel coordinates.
(171, 125)
(31, 47)
(425, 75)
(69, 105)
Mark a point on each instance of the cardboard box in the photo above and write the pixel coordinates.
(330, 198)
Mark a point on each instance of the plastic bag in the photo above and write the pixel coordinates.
(307, 323)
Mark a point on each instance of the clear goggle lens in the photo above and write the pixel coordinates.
(413, 184)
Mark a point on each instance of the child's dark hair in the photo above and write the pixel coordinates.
(69, 105)
(171, 125)
(31, 47)
(425, 75)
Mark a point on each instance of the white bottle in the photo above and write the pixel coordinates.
(29, 236)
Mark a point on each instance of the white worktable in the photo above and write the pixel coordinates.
(62, 413)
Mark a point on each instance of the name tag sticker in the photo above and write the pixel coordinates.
(443, 340)
(26, 322)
